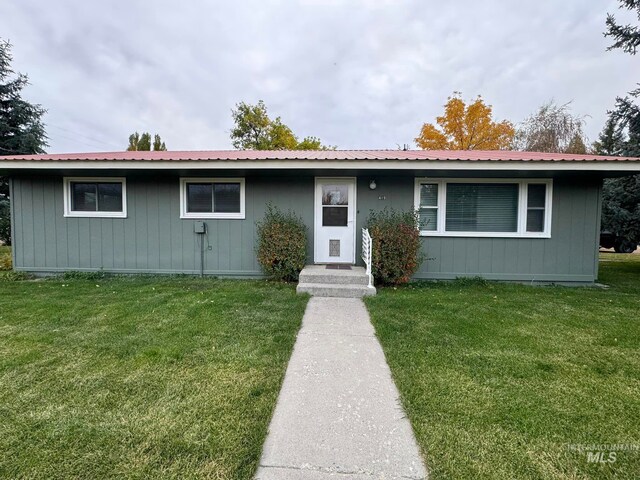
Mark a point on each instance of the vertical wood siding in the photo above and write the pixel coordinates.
(570, 255)
(154, 239)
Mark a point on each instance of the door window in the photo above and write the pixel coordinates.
(335, 205)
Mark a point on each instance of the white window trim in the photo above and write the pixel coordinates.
(522, 207)
(231, 215)
(84, 214)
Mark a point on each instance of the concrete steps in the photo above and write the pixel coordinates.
(319, 281)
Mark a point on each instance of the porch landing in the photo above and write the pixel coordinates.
(320, 281)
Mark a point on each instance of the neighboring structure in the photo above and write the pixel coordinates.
(501, 215)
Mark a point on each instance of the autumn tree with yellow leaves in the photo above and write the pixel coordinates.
(466, 127)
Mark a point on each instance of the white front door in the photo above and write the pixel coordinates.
(335, 231)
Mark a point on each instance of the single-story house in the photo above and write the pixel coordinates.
(502, 215)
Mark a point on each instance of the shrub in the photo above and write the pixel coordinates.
(476, 281)
(6, 262)
(282, 244)
(14, 276)
(76, 275)
(5, 221)
(396, 252)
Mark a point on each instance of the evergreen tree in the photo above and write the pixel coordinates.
(621, 196)
(628, 115)
(21, 129)
(627, 112)
(621, 210)
(576, 145)
(621, 136)
(611, 140)
(626, 37)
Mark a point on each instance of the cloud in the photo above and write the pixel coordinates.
(358, 74)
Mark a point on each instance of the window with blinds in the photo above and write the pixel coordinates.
(212, 198)
(482, 207)
(95, 197)
(485, 208)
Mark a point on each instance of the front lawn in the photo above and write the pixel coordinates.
(140, 377)
(498, 380)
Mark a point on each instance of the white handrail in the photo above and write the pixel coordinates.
(367, 247)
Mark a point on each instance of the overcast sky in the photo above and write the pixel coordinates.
(357, 74)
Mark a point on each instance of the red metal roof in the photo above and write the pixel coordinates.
(209, 155)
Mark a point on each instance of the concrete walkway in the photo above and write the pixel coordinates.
(338, 413)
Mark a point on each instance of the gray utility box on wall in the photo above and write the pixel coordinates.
(199, 227)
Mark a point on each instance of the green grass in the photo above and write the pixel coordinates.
(497, 379)
(140, 377)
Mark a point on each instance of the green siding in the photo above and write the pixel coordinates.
(154, 239)
(570, 255)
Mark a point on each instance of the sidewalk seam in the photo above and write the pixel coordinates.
(338, 472)
(339, 334)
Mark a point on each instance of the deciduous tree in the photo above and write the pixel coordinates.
(466, 127)
(142, 143)
(158, 144)
(553, 128)
(255, 130)
(22, 131)
(280, 136)
(312, 143)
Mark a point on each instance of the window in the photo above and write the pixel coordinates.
(95, 197)
(212, 198)
(536, 202)
(484, 208)
(428, 213)
(335, 205)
